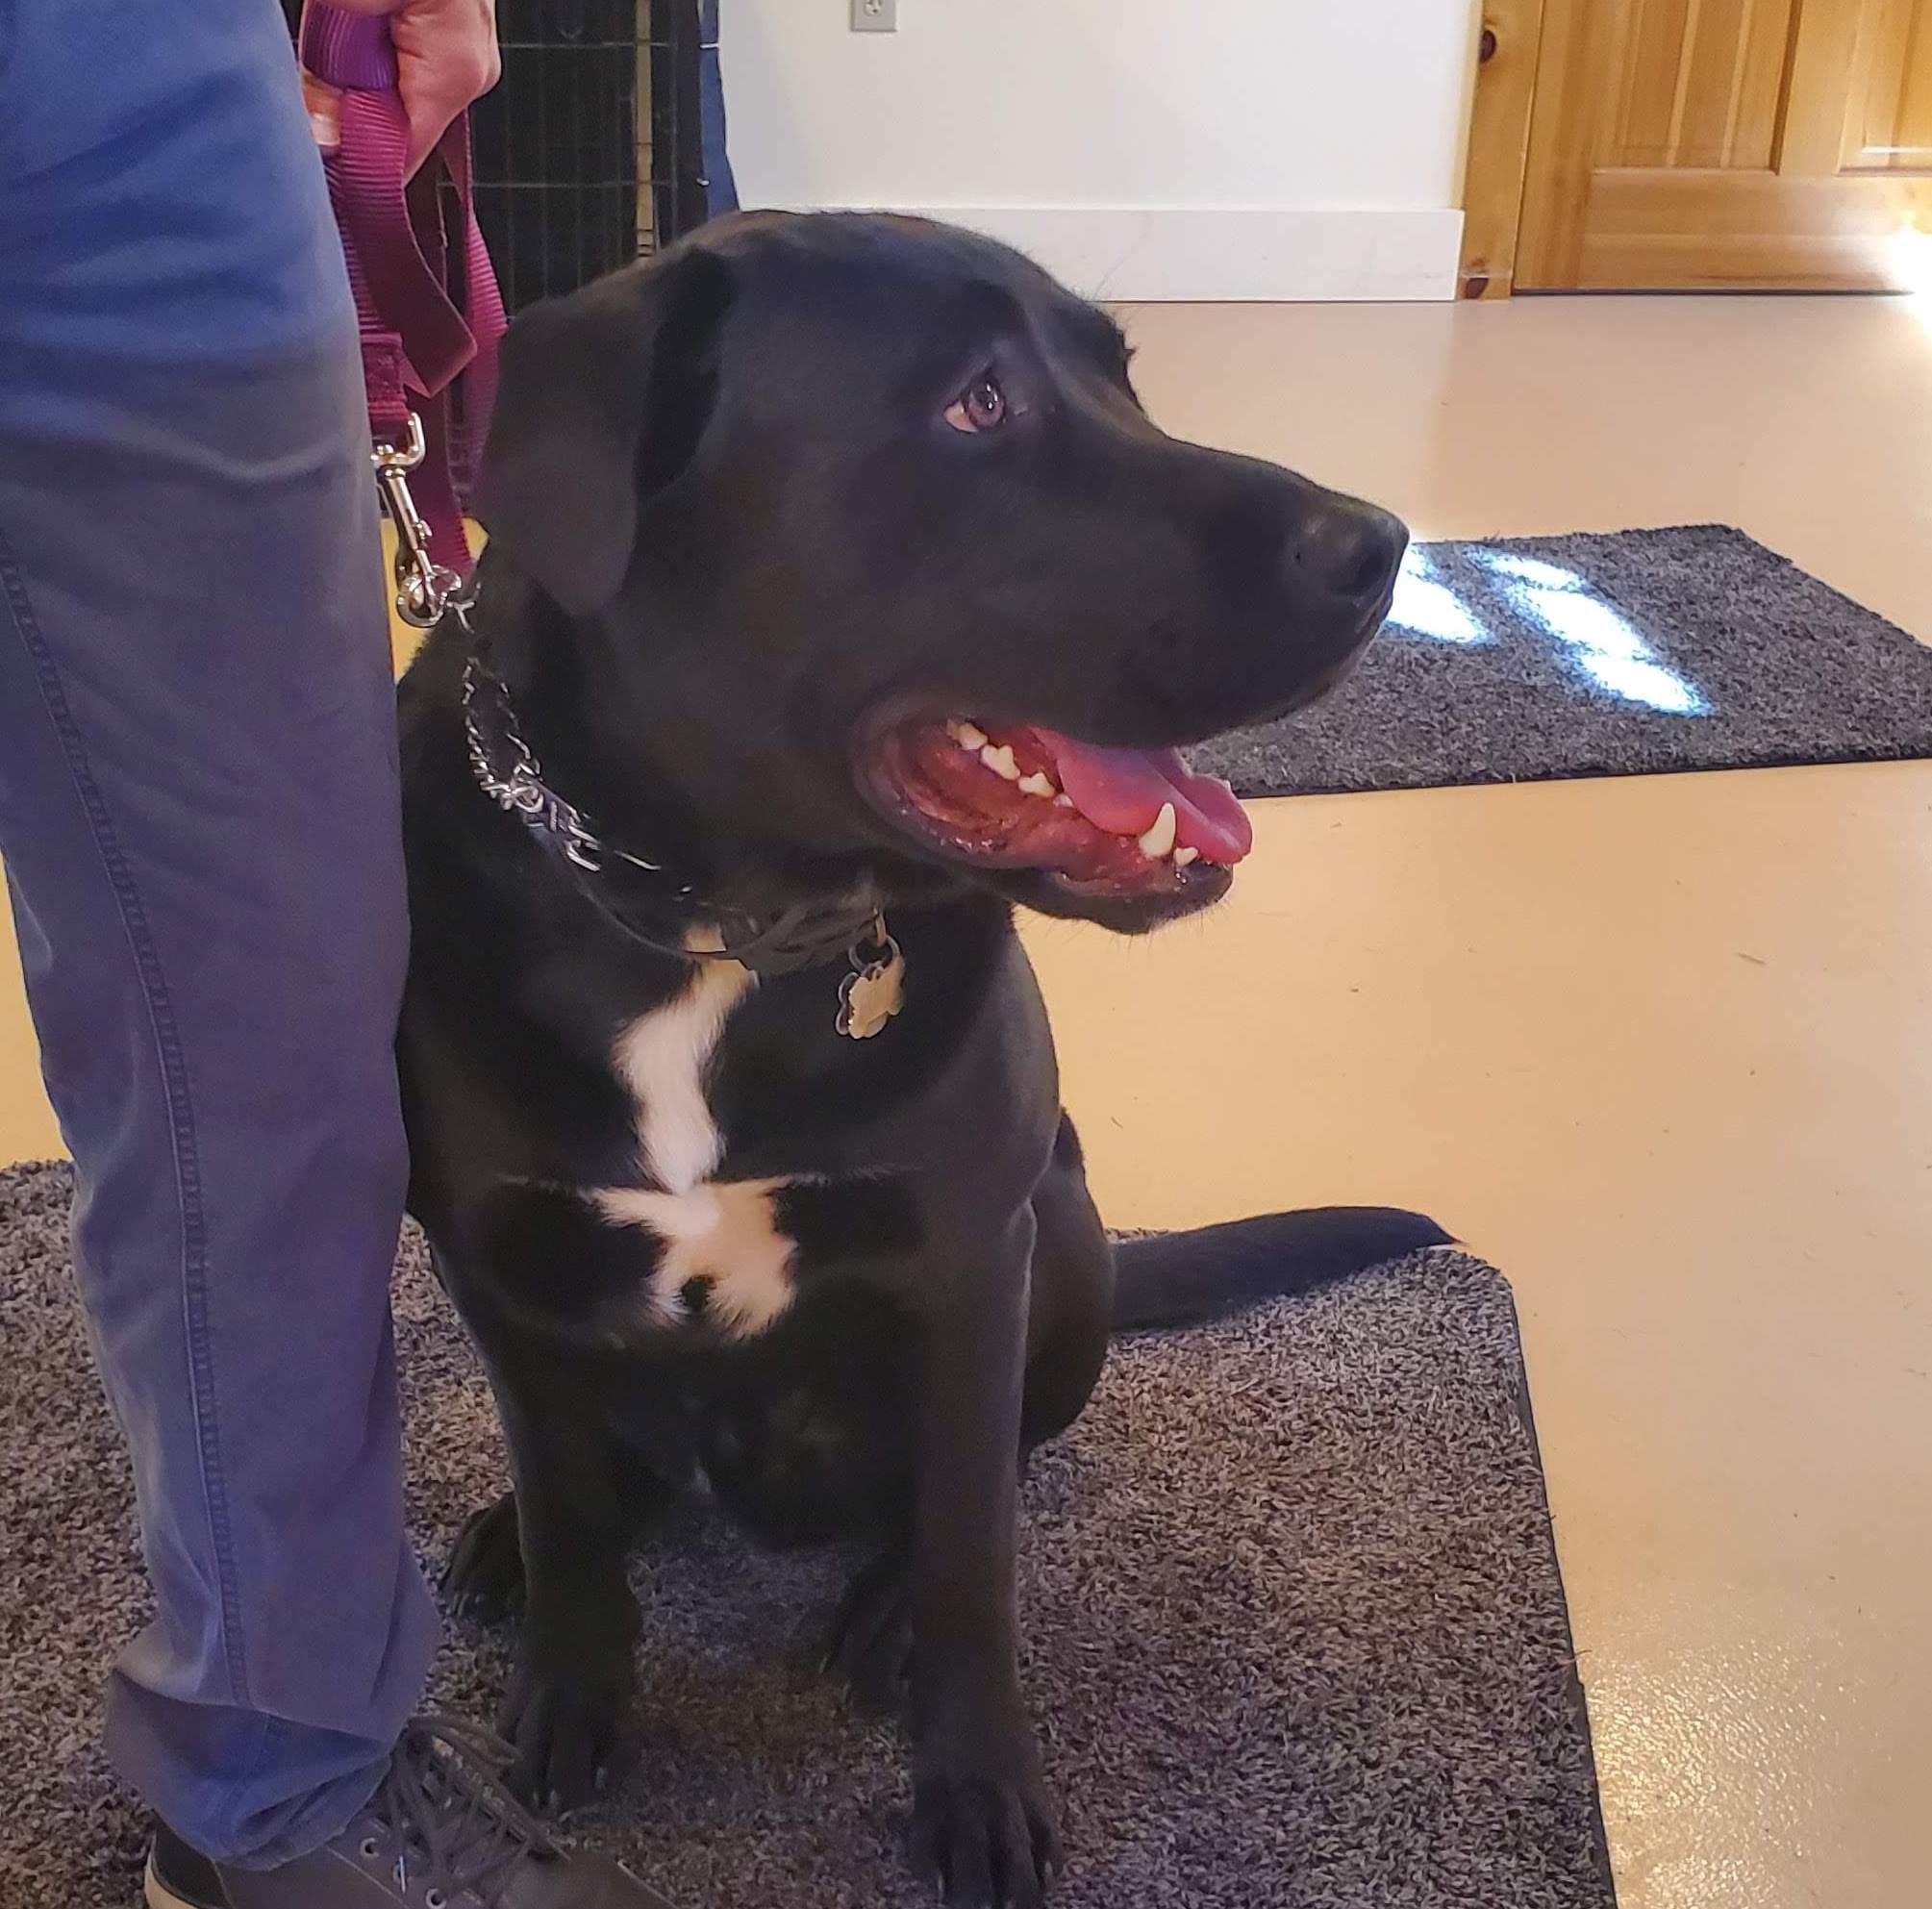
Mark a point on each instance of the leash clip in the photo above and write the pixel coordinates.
(425, 589)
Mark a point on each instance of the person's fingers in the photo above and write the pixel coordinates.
(325, 112)
(446, 51)
(446, 58)
(430, 118)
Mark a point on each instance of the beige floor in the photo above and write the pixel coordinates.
(1662, 1048)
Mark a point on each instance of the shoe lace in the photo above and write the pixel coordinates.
(456, 1824)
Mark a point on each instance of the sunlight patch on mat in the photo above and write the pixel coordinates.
(1430, 608)
(1635, 652)
(1594, 637)
(1601, 640)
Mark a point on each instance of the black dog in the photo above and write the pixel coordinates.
(839, 596)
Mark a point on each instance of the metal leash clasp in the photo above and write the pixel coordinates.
(424, 588)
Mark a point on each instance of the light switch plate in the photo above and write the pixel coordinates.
(875, 15)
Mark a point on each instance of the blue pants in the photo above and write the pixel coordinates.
(198, 813)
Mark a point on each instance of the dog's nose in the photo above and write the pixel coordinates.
(1347, 552)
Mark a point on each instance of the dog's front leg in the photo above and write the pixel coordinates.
(568, 1711)
(569, 1708)
(535, 1271)
(982, 1820)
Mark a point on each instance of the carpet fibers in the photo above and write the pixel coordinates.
(1627, 653)
(1296, 1637)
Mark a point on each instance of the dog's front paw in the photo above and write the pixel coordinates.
(986, 1835)
(570, 1719)
(483, 1582)
(871, 1638)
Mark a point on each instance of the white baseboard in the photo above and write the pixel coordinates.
(1213, 254)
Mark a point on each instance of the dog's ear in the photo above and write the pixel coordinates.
(603, 398)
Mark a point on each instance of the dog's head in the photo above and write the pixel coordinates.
(859, 537)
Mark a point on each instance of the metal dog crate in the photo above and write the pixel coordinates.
(591, 150)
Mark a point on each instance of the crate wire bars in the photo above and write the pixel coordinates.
(591, 151)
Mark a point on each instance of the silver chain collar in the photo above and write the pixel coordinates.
(518, 787)
(869, 996)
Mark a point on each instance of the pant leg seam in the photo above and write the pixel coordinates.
(184, 1143)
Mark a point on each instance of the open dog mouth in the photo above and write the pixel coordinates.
(1103, 821)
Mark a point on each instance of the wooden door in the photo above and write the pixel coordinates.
(1676, 144)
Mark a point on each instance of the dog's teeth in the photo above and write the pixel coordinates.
(966, 735)
(1000, 761)
(1184, 856)
(1063, 800)
(1160, 838)
(1038, 783)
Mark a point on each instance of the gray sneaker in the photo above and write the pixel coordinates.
(442, 1833)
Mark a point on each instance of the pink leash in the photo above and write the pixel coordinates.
(421, 353)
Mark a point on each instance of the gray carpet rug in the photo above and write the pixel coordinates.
(1296, 1637)
(1627, 653)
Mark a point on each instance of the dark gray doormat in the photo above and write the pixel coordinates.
(1627, 653)
(1296, 1634)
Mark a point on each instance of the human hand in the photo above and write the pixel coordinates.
(446, 58)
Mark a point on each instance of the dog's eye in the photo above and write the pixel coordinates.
(980, 407)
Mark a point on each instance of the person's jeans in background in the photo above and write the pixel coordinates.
(720, 187)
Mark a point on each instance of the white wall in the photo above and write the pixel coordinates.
(1143, 148)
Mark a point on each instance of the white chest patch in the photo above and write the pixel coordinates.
(721, 1231)
(664, 1058)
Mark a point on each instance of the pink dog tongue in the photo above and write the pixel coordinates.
(1122, 791)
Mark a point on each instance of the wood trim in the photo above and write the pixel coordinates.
(1740, 70)
(1758, 231)
(1500, 121)
(1881, 81)
(1570, 97)
(1680, 93)
(1824, 49)
(1765, 33)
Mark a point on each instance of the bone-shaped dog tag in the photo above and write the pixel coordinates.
(875, 989)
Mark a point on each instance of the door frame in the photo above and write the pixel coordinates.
(1509, 46)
